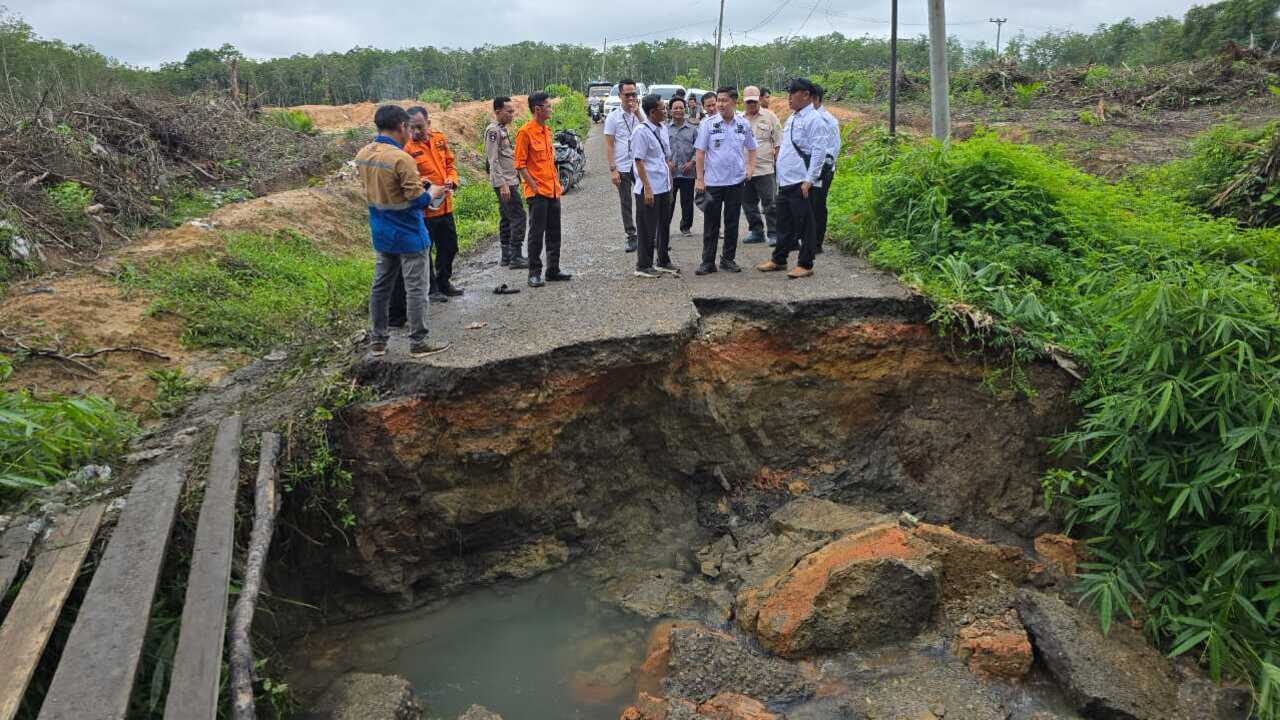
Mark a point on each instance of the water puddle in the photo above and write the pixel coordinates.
(540, 650)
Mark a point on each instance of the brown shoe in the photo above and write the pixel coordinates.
(770, 266)
(799, 272)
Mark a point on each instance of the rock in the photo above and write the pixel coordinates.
(530, 560)
(703, 663)
(711, 557)
(602, 685)
(863, 590)
(479, 712)
(653, 707)
(53, 508)
(276, 356)
(658, 592)
(651, 672)
(823, 518)
(365, 696)
(968, 564)
(1115, 677)
(996, 647)
(137, 458)
(1059, 552)
(732, 706)
(92, 475)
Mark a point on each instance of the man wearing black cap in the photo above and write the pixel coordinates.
(800, 161)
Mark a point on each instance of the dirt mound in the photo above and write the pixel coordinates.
(462, 122)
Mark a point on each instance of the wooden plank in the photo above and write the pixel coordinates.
(197, 663)
(95, 675)
(14, 545)
(35, 612)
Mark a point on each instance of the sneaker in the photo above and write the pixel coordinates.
(770, 266)
(705, 269)
(436, 296)
(558, 276)
(631, 246)
(729, 266)
(772, 241)
(427, 347)
(686, 232)
(536, 281)
(647, 273)
(452, 291)
(519, 263)
(505, 261)
(799, 272)
(753, 238)
(378, 348)
(669, 268)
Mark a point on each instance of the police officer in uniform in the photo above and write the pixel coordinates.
(500, 159)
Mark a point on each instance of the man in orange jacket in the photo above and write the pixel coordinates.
(536, 163)
(430, 150)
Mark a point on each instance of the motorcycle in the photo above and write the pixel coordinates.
(571, 158)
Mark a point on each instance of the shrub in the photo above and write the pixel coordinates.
(295, 120)
(1176, 482)
(570, 113)
(437, 96)
(1088, 117)
(1096, 76)
(1231, 171)
(43, 440)
(556, 90)
(1024, 93)
(71, 198)
(848, 85)
(475, 208)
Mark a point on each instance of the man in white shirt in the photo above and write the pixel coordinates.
(725, 159)
(651, 152)
(800, 161)
(823, 188)
(618, 127)
(761, 190)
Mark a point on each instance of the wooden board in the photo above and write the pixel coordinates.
(197, 664)
(35, 612)
(14, 545)
(95, 676)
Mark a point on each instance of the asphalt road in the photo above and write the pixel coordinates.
(605, 301)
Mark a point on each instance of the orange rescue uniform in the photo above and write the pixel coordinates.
(536, 155)
(435, 163)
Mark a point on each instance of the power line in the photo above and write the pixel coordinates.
(659, 32)
(770, 17)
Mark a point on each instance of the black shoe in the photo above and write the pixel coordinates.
(772, 241)
(436, 296)
(687, 232)
(558, 276)
(729, 266)
(426, 347)
(536, 281)
(378, 348)
(452, 291)
(505, 261)
(648, 273)
(519, 263)
(669, 268)
(705, 269)
(631, 246)
(752, 238)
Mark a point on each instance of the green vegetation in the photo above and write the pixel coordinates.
(849, 85)
(1089, 117)
(318, 479)
(43, 440)
(557, 90)
(1232, 172)
(174, 389)
(1025, 93)
(295, 120)
(436, 96)
(201, 203)
(1174, 468)
(475, 211)
(71, 198)
(570, 113)
(264, 291)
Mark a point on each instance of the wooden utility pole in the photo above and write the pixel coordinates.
(939, 83)
(999, 26)
(719, 34)
(893, 69)
(604, 53)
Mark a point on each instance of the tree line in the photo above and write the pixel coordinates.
(33, 65)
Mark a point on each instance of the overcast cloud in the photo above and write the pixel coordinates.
(150, 32)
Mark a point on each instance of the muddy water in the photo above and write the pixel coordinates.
(540, 650)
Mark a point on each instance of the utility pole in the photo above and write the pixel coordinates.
(999, 26)
(939, 82)
(604, 53)
(893, 69)
(719, 34)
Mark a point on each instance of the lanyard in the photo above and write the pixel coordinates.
(657, 136)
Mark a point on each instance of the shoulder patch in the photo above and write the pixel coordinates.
(493, 135)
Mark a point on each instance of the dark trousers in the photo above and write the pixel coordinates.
(544, 225)
(795, 226)
(626, 187)
(726, 201)
(818, 196)
(682, 195)
(511, 224)
(655, 230)
(759, 193)
(444, 239)
(444, 245)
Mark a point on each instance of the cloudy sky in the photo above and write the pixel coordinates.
(149, 32)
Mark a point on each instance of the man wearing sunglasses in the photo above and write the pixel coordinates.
(618, 127)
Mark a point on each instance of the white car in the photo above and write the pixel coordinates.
(666, 92)
(613, 101)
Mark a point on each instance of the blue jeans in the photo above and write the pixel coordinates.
(415, 269)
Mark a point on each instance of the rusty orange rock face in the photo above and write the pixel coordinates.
(967, 563)
(996, 647)
(1060, 552)
(732, 706)
(650, 673)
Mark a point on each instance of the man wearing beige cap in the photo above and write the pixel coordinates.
(762, 187)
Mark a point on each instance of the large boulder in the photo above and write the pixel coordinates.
(865, 589)
(703, 663)
(366, 696)
(1113, 677)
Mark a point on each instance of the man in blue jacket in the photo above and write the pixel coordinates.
(396, 197)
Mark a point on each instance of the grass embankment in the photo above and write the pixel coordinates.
(1173, 471)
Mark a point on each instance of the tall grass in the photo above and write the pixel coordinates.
(1173, 315)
